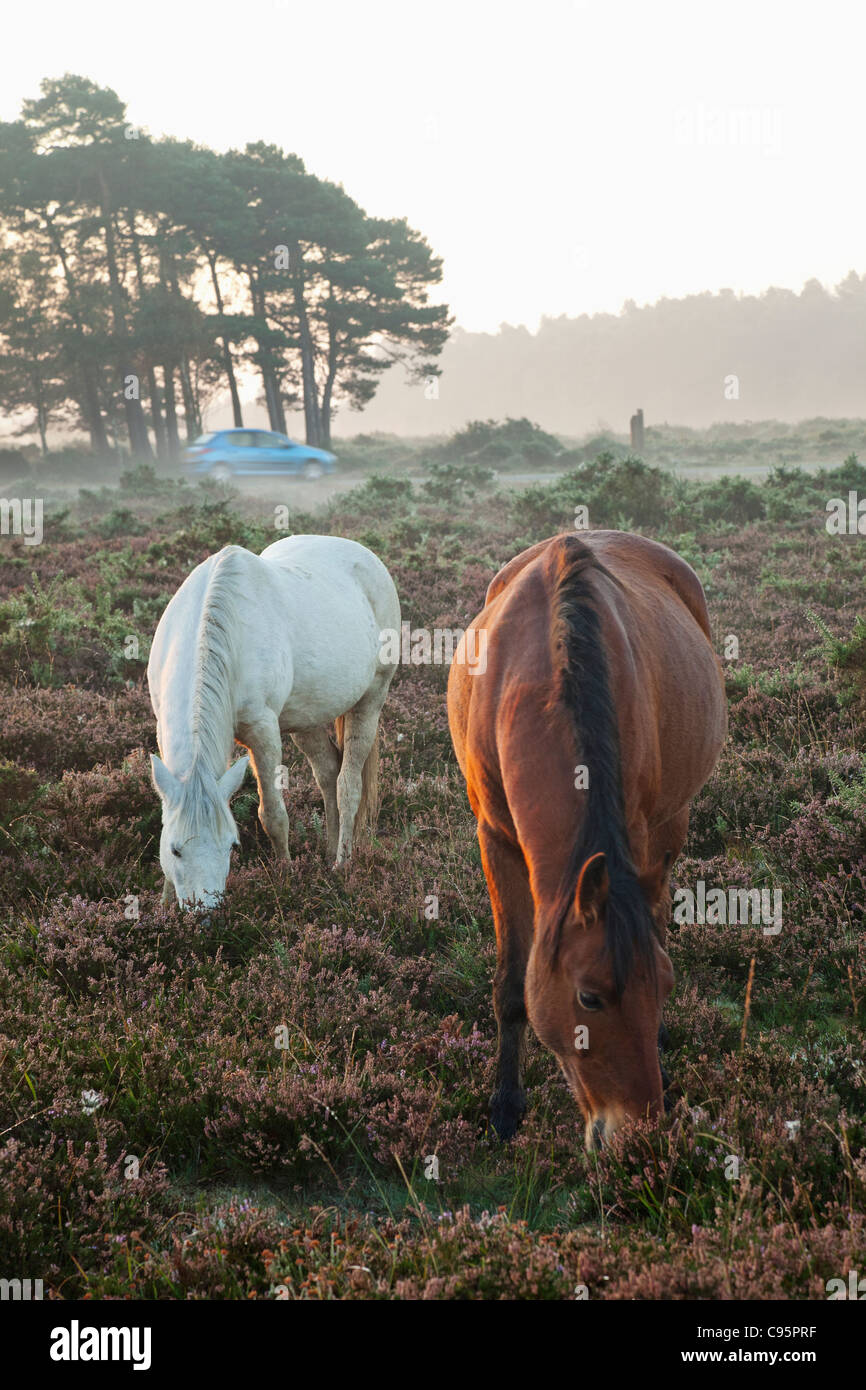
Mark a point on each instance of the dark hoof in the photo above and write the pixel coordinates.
(506, 1112)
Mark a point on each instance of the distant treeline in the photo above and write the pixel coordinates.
(694, 361)
(139, 278)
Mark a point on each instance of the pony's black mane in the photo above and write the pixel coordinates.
(584, 690)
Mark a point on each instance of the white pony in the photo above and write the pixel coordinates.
(251, 647)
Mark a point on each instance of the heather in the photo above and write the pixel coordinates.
(288, 1098)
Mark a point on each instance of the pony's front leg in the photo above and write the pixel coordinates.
(513, 912)
(318, 748)
(266, 749)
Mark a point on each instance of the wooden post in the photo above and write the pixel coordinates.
(637, 436)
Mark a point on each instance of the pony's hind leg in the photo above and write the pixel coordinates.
(265, 744)
(360, 731)
(318, 748)
(511, 900)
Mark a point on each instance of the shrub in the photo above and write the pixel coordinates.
(448, 481)
(616, 492)
(518, 442)
(846, 656)
(735, 500)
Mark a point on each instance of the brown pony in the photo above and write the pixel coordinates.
(596, 715)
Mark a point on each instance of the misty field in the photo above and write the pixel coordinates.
(157, 1142)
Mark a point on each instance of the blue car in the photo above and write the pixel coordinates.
(229, 453)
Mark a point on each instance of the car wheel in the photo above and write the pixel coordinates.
(221, 473)
(312, 470)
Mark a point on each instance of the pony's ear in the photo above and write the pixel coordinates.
(593, 885)
(230, 781)
(165, 782)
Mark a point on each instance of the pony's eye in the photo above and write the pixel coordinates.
(590, 1002)
(175, 851)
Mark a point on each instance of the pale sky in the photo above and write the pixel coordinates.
(562, 156)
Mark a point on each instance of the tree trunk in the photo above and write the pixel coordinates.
(191, 420)
(93, 414)
(136, 425)
(89, 404)
(156, 414)
(152, 388)
(325, 412)
(276, 417)
(192, 423)
(279, 409)
(271, 400)
(227, 355)
(312, 414)
(41, 419)
(171, 431)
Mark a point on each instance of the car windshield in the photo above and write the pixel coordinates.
(204, 439)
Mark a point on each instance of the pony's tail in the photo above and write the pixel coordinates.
(368, 810)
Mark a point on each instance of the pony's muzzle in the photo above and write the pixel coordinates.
(600, 1128)
(595, 1134)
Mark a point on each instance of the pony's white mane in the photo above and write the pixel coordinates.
(215, 661)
